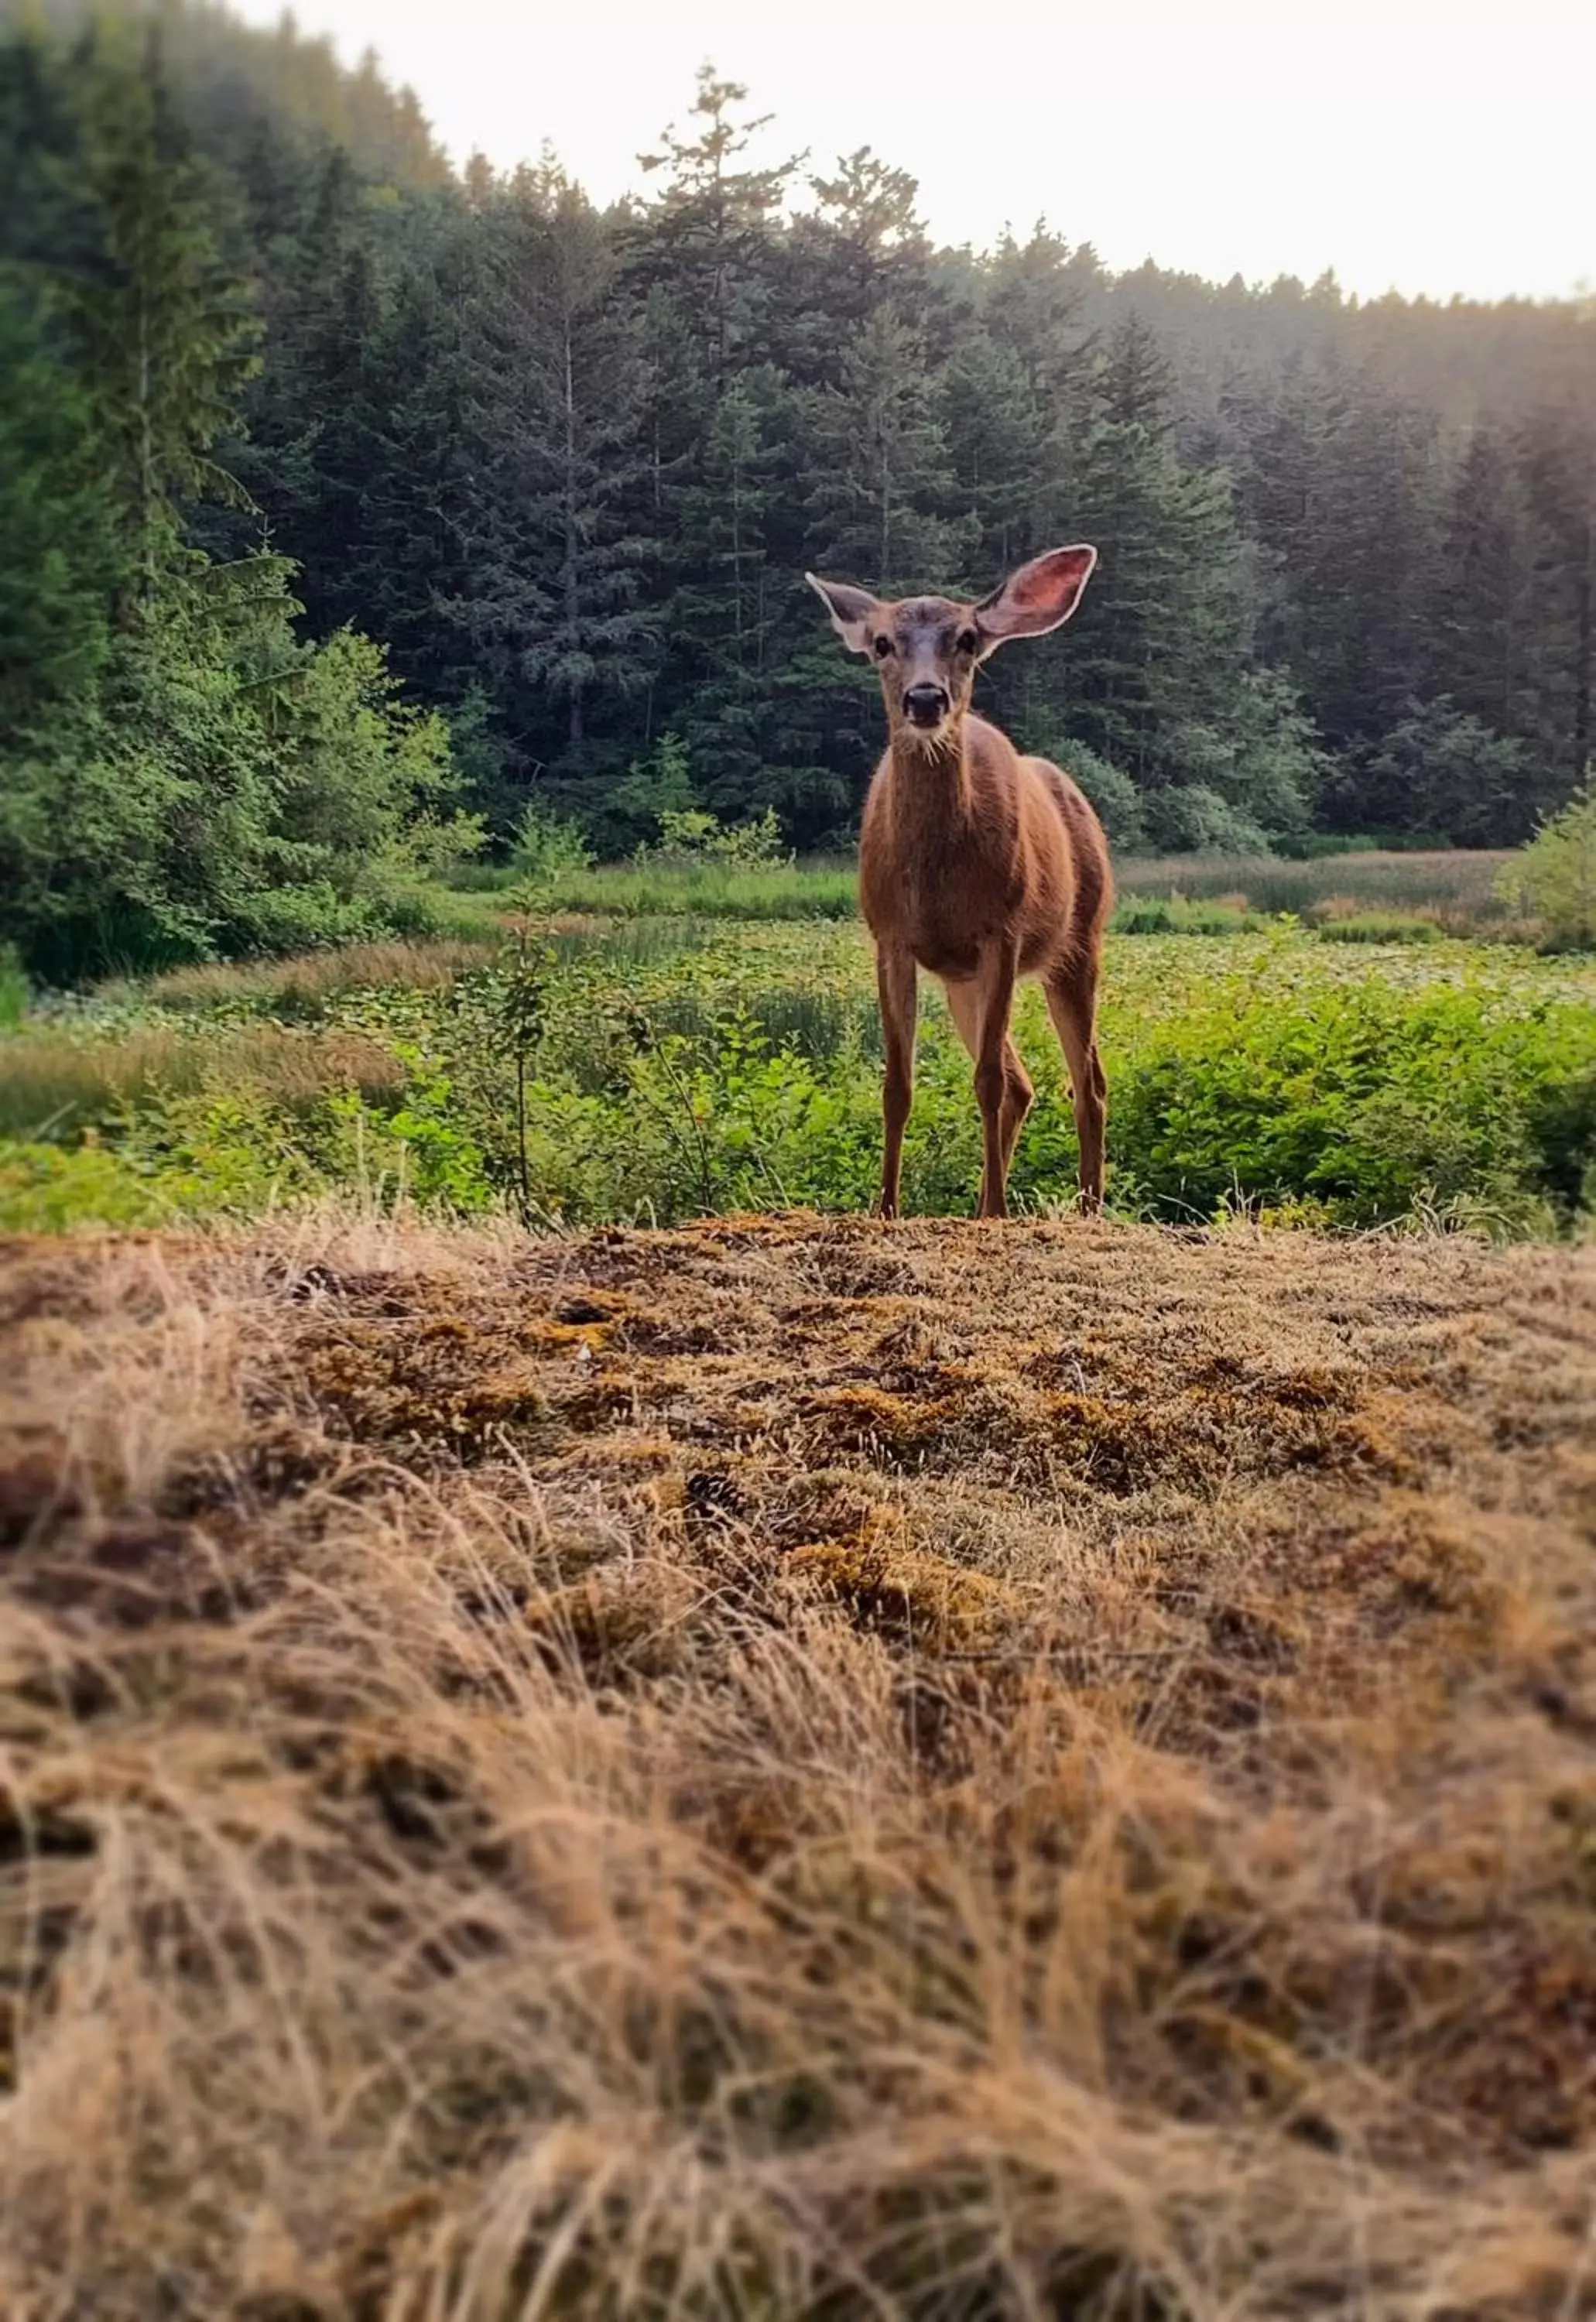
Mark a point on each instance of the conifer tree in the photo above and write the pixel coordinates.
(169, 340)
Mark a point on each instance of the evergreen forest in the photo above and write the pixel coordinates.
(353, 505)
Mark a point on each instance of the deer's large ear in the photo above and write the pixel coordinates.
(850, 609)
(1039, 597)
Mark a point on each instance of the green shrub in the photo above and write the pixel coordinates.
(1441, 770)
(694, 834)
(1554, 876)
(549, 851)
(228, 789)
(49, 1189)
(1369, 1101)
(630, 813)
(1119, 803)
(1192, 818)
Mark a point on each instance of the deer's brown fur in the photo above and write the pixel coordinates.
(978, 865)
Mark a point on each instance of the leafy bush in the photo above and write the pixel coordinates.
(659, 784)
(692, 833)
(1364, 1101)
(1119, 803)
(550, 850)
(1264, 764)
(47, 1188)
(180, 772)
(1441, 770)
(1192, 818)
(234, 790)
(1555, 877)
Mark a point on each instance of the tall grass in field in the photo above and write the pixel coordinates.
(1459, 886)
(1195, 894)
(686, 889)
(53, 1087)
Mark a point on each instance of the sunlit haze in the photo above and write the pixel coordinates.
(1425, 147)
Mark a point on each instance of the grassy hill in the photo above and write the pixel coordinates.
(794, 1767)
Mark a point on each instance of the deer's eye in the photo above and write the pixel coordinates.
(883, 648)
(967, 641)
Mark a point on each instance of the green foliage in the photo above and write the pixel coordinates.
(14, 990)
(748, 845)
(201, 801)
(1379, 928)
(1554, 876)
(47, 1188)
(655, 785)
(1193, 819)
(549, 852)
(1358, 1104)
(1442, 772)
(1120, 807)
(180, 772)
(664, 1070)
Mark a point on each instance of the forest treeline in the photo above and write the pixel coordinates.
(290, 411)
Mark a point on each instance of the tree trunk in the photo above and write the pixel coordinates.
(572, 592)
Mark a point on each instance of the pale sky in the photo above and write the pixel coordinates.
(1424, 145)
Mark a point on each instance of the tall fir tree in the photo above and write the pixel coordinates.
(167, 335)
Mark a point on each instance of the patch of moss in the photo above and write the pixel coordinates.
(860, 1417)
(906, 1593)
(440, 1384)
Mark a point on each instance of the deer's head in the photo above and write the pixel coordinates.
(928, 649)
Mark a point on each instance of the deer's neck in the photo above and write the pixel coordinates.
(931, 791)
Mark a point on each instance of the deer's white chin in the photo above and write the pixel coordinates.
(933, 742)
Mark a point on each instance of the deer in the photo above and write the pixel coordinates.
(977, 864)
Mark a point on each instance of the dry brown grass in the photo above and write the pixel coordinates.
(50, 1082)
(798, 1769)
(307, 979)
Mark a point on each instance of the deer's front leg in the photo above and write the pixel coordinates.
(995, 981)
(896, 983)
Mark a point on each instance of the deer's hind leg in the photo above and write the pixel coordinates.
(1072, 990)
(969, 1004)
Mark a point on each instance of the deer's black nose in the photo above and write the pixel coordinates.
(926, 703)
